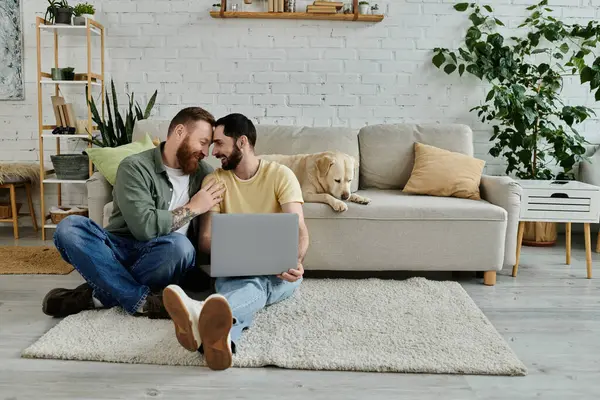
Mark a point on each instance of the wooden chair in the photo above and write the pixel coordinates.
(12, 187)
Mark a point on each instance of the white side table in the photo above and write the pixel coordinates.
(559, 201)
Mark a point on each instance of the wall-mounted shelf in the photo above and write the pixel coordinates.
(297, 15)
(354, 16)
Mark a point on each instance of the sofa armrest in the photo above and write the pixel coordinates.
(99, 193)
(589, 171)
(505, 192)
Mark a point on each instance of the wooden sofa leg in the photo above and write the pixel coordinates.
(489, 278)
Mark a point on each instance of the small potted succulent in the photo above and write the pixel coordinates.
(82, 12)
(363, 7)
(216, 7)
(374, 9)
(60, 12)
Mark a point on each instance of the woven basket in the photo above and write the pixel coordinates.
(6, 210)
(71, 166)
(57, 217)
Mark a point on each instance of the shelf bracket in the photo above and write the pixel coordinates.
(223, 6)
(355, 7)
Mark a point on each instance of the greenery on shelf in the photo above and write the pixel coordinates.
(52, 9)
(534, 130)
(84, 8)
(118, 131)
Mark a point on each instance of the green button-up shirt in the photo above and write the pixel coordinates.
(142, 193)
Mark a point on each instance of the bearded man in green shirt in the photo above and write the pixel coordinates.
(148, 243)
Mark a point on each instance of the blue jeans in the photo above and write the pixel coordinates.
(248, 295)
(122, 270)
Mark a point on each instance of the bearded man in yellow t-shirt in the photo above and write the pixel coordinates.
(214, 326)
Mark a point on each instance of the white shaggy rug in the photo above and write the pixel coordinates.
(416, 325)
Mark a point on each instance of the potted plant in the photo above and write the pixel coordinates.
(118, 131)
(60, 12)
(68, 74)
(216, 7)
(83, 11)
(534, 130)
(363, 7)
(374, 9)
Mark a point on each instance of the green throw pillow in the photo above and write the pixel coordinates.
(107, 159)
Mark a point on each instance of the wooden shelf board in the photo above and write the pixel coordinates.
(51, 127)
(76, 136)
(55, 180)
(51, 82)
(70, 30)
(297, 15)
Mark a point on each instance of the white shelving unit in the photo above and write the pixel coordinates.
(94, 80)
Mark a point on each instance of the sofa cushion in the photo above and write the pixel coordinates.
(107, 159)
(399, 231)
(399, 206)
(277, 139)
(387, 155)
(439, 172)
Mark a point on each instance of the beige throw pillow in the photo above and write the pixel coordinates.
(440, 172)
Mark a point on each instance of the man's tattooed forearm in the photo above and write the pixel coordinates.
(181, 216)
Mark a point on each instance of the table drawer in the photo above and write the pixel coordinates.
(560, 205)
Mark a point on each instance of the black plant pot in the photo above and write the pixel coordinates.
(63, 16)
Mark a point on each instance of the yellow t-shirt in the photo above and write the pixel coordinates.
(272, 185)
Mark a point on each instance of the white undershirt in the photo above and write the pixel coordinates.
(180, 197)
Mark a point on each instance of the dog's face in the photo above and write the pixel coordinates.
(335, 173)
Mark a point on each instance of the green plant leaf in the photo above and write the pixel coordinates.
(476, 19)
(586, 74)
(490, 95)
(564, 48)
(438, 59)
(461, 6)
(461, 69)
(531, 7)
(538, 51)
(498, 22)
(150, 105)
(597, 96)
(450, 68)
(488, 8)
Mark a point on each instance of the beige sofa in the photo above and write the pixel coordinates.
(395, 231)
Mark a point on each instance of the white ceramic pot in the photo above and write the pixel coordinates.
(216, 9)
(363, 9)
(88, 16)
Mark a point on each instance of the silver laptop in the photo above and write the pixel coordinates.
(253, 244)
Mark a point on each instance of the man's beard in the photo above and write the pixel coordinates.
(187, 159)
(233, 160)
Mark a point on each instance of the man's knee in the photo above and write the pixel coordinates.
(179, 249)
(70, 229)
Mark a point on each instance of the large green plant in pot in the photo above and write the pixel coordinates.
(534, 130)
(118, 131)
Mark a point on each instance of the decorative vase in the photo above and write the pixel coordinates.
(539, 234)
(63, 16)
(79, 21)
(363, 9)
(57, 74)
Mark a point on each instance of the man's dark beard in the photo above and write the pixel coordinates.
(187, 159)
(234, 159)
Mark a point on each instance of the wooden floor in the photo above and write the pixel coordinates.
(549, 314)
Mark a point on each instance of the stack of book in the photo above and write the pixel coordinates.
(276, 6)
(65, 117)
(324, 7)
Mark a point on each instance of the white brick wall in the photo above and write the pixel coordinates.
(320, 73)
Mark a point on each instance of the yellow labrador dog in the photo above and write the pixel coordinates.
(324, 177)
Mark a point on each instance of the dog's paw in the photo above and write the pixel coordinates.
(359, 199)
(339, 206)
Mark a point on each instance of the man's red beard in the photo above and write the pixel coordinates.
(187, 159)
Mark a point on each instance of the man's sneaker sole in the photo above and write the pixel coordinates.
(176, 308)
(214, 325)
